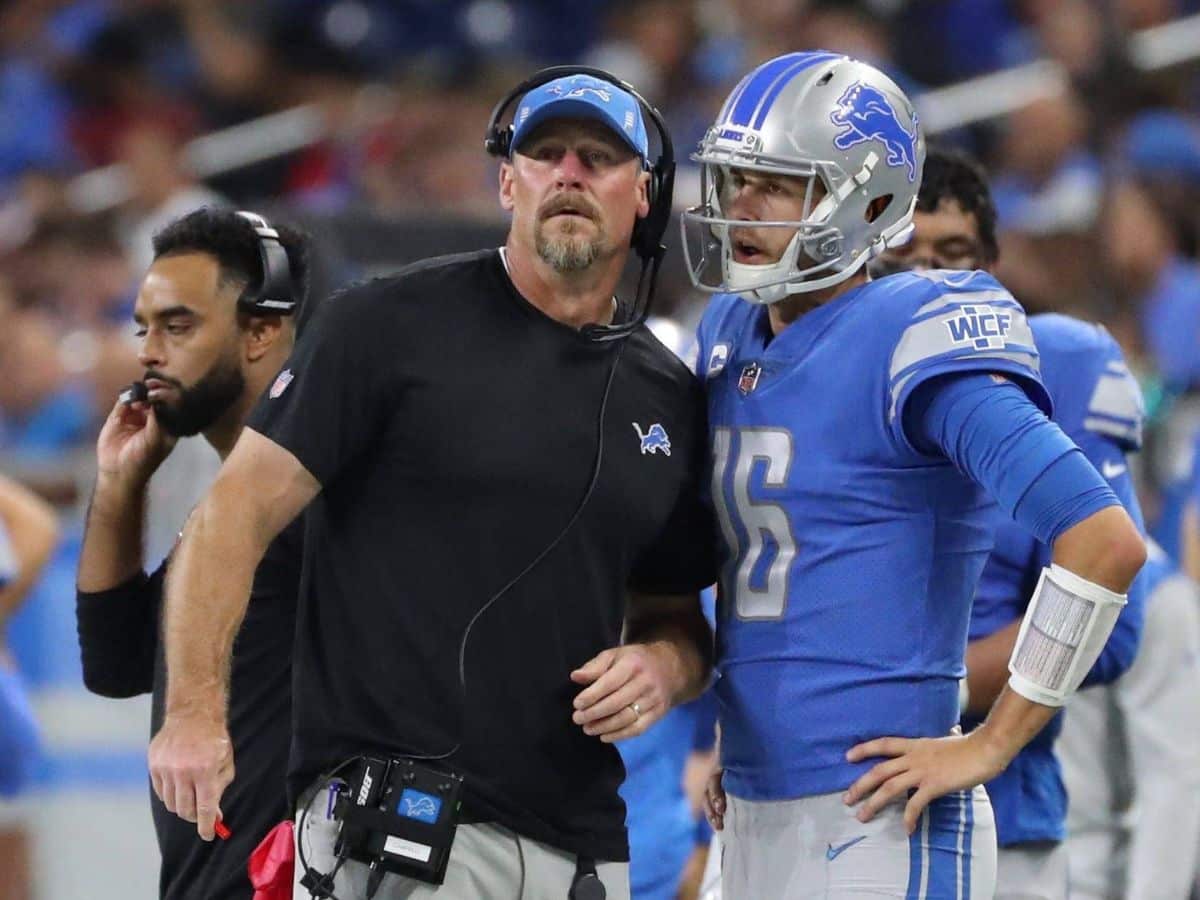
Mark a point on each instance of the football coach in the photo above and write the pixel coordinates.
(504, 542)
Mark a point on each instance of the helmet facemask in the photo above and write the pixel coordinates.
(814, 258)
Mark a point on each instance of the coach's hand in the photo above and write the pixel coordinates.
(191, 764)
(922, 769)
(629, 689)
(714, 799)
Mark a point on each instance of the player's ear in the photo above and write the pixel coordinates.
(643, 189)
(506, 185)
(260, 334)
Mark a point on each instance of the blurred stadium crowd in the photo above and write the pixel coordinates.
(368, 118)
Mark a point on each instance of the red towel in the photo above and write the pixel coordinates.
(272, 864)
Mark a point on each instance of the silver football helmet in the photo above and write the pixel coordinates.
(821, 117)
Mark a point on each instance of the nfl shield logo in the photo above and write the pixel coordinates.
(281, 383)
(749, 378)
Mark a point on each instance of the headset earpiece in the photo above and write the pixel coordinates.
(275, 293)
(497, 141)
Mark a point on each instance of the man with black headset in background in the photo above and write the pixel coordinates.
(503, 467)
(213, 334)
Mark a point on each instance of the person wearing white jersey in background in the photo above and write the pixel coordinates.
(1130, 755)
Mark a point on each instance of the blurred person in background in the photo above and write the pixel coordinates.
(45, 412)
(1098, 404)
(1158, 288)
(28, 533)
(162, 189)
(208, 351)
(1130, 754)
(1154, 279)
(665, 771)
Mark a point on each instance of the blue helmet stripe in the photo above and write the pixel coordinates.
(751, 91)
(732, 98)
(759, 83)
(782, 81)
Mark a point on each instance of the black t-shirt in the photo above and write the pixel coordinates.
(453, 428)
(122, 657)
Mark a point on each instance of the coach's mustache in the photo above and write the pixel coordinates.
(569, 203)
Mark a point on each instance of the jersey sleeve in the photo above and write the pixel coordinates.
(1115, 409)
(982, 329)
(330, 402)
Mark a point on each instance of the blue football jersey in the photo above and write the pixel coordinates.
(849, 557)
(1098, 403)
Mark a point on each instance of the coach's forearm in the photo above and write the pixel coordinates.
(260, 489)
(208, 588)
(678, 629)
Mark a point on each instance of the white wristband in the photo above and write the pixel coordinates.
(1066, 626)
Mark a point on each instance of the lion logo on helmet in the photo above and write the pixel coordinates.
(866, 114)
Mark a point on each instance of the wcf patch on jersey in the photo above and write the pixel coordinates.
(981, 325)
(281, 383)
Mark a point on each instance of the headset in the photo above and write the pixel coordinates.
(647, 238)
(275, 293)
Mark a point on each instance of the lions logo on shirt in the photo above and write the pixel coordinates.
(653, 439)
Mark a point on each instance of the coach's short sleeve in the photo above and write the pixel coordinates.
(331, 400)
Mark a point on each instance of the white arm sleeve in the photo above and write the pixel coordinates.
(1160, 699)
(1065, 627)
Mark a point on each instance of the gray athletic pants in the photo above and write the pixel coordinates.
(487, 862)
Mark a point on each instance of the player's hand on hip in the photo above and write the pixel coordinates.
(714, 799)
(132, 444)
(628, 689)
(191, 764)
(921, 769)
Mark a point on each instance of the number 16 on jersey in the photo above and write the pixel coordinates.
(757, 532)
